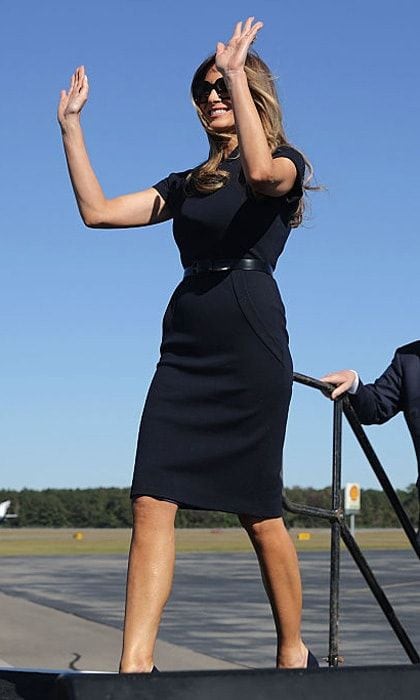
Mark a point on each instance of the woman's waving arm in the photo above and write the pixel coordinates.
(274, 177)
(96, 210)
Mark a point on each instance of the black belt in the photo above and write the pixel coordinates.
(200, 266)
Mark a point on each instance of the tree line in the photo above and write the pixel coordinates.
(111, 507)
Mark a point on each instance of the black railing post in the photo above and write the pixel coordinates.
(380, 596)
(338, 528)
(335, 534)
(380, 473)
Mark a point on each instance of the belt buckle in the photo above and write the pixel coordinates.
(221, 265)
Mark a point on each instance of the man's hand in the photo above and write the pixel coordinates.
(343, 379)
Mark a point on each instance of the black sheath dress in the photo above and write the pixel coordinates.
(212, 430)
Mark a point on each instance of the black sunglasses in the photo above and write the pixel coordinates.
(202, 90)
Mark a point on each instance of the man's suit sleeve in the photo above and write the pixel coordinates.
(380, 401)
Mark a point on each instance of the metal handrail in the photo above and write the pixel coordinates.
(340, 530)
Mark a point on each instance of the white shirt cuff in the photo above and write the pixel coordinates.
(354, 387)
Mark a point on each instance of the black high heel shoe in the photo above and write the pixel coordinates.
(312, 661)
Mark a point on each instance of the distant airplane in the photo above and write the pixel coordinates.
(4, 507)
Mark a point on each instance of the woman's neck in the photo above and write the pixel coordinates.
(230, 147)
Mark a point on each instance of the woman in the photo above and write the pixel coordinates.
(213, 426)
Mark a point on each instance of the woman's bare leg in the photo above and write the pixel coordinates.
(149, 580)
(281, 577)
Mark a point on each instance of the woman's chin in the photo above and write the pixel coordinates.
(222, 124)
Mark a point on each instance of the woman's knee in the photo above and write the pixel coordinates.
(261, 528)
(153, 512)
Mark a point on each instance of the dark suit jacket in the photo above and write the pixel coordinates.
(397, 389)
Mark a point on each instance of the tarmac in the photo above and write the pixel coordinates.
(66, 612)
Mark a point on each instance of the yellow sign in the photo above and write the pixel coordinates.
(302, 536)
(352, 498)
(354, 492)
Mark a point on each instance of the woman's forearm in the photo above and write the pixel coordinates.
(88, 192)
(256, 158)
(97, 211)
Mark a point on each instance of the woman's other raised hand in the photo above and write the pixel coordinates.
(231, 57)
(72, 102)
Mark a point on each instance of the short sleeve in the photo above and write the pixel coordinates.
(171, 189)
(288, 152)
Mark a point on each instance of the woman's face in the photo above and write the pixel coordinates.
(214, 102)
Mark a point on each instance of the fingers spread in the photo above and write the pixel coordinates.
(256, 28)
(237, 31)
(248, 24)
(247, 31)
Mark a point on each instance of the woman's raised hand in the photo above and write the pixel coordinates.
(231, 57)
(73, 101)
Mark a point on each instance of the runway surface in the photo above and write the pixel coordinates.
(218, 607)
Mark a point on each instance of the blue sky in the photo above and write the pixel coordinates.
(81, 310)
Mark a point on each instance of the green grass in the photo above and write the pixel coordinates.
(24, 542)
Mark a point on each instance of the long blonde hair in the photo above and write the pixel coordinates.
(208, 176)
